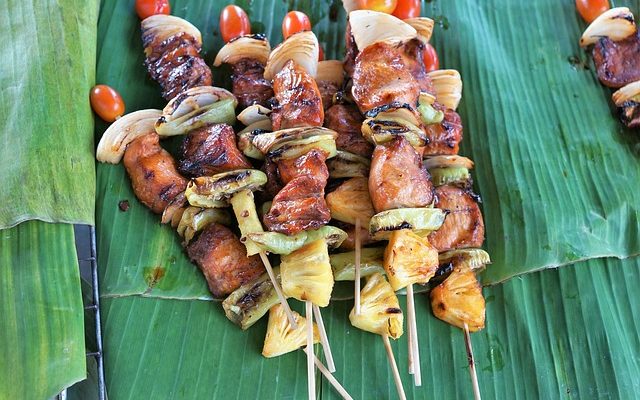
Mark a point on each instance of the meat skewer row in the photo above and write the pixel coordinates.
(616, 54)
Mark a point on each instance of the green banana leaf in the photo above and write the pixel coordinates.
(564, 333)
(41, 325)
(46, 158)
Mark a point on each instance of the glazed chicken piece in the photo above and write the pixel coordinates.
(310, 164)
(445, 137)
(210, 150)
(413, 59)
(298, 102)
(397, 178)
(617, 63)
(463, 225)
(327, 91)
(351, 51)
(223, 260)
(152, 170)
(175, 63)
(346, 120)
(248, 83)
(273, 185)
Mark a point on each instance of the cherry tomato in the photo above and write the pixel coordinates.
(408, 9)
(234, 22)
(430, 58)
(320, 54)
(106, 102)
(385, 6)
(294, 22)
(147, 8)
(591, 9)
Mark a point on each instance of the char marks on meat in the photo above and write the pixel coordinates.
(248, 83)
(309, 164)
(346, 120)
(445, 137)
(298, 101)
(463, 226)
(223, 260)
(154, 177)
(327, 90)
(210, 150)
(617, 63)
(351, 51)
(397, 178)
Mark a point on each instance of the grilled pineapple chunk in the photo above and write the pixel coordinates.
(307, 275)
(409, 259)
(459, 299)
(351, 201)
(379, 309)
(280, 338)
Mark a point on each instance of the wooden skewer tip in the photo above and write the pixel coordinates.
(394, 367)
(326, 347)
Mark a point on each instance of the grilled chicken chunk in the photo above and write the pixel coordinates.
(273, 185)
(175, 63)
(445, 137)
(346, 120)
(298, 101)
(351, 51)
(223, 260)
(310, 164)
(327, 90)
(397, 178)
(463, 225)
(617, 63)
(152, 170)
(248, 83)
(210, 150)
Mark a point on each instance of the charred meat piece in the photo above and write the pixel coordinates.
(248, 83)
(463, 225)
(630, 114)
(152, 170)
(310, 164)
(210, 150)
(397, 178)
(274, 185)
(617, 63)
(223, 260)
(175, 63)
(351, 51)
(445, 137)
(347, 121)
(298, 101)
(327, 91)
(414, 61)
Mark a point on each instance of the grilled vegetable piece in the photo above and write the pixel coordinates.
(615, 24)
(248, 303)
(409, 259)
(447, 85)
(195, 219)
(627, 99)
(116, 138)
(172, 48)
(306, 273)
(369, 27)
(152, 170)
(223, 260)
(384, 127)
(617, 61)
(474, 259)
(420, 220)
(254, 113)
(380, 311)
(244, 208)
(222, 186)
(463, 225)
(344, 265)
(195, 108)
(281, 338)
(351, 201)
(274, 242)
(302, 48)
(397, 178)
(298, 99)
(348, 165)
(444, 137)
(458, 300)
(211, 150)
(346, 120)
(293, 149)
(449, 169)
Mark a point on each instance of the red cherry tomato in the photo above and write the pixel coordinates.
(385, 6)
(320, 54)
(234, 22)
(408, 9)
(430, 58)
(591, 9)
(106, 102)
(294, 22)
(147, 8)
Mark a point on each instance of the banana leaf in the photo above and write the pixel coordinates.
(41, 324)
(564, 333)
(46, 158)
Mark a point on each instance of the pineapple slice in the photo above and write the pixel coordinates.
(459, 299)
(280, 338)
(379, 309)
(409, 259)
(307, 275)
(351, 201)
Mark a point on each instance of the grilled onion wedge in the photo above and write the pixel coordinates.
(420, 220)
(348, 165)
(380, 311)
(248, 303)
(195, 219)
(281, 338)
(616, 24)
(123, 131)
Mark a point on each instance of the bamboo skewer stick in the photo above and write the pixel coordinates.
(326, 348)
(413, 338)
(472, 363)
(276, 287)
(357, 262)
(332, 380)
(311, 373)
(394, 367)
